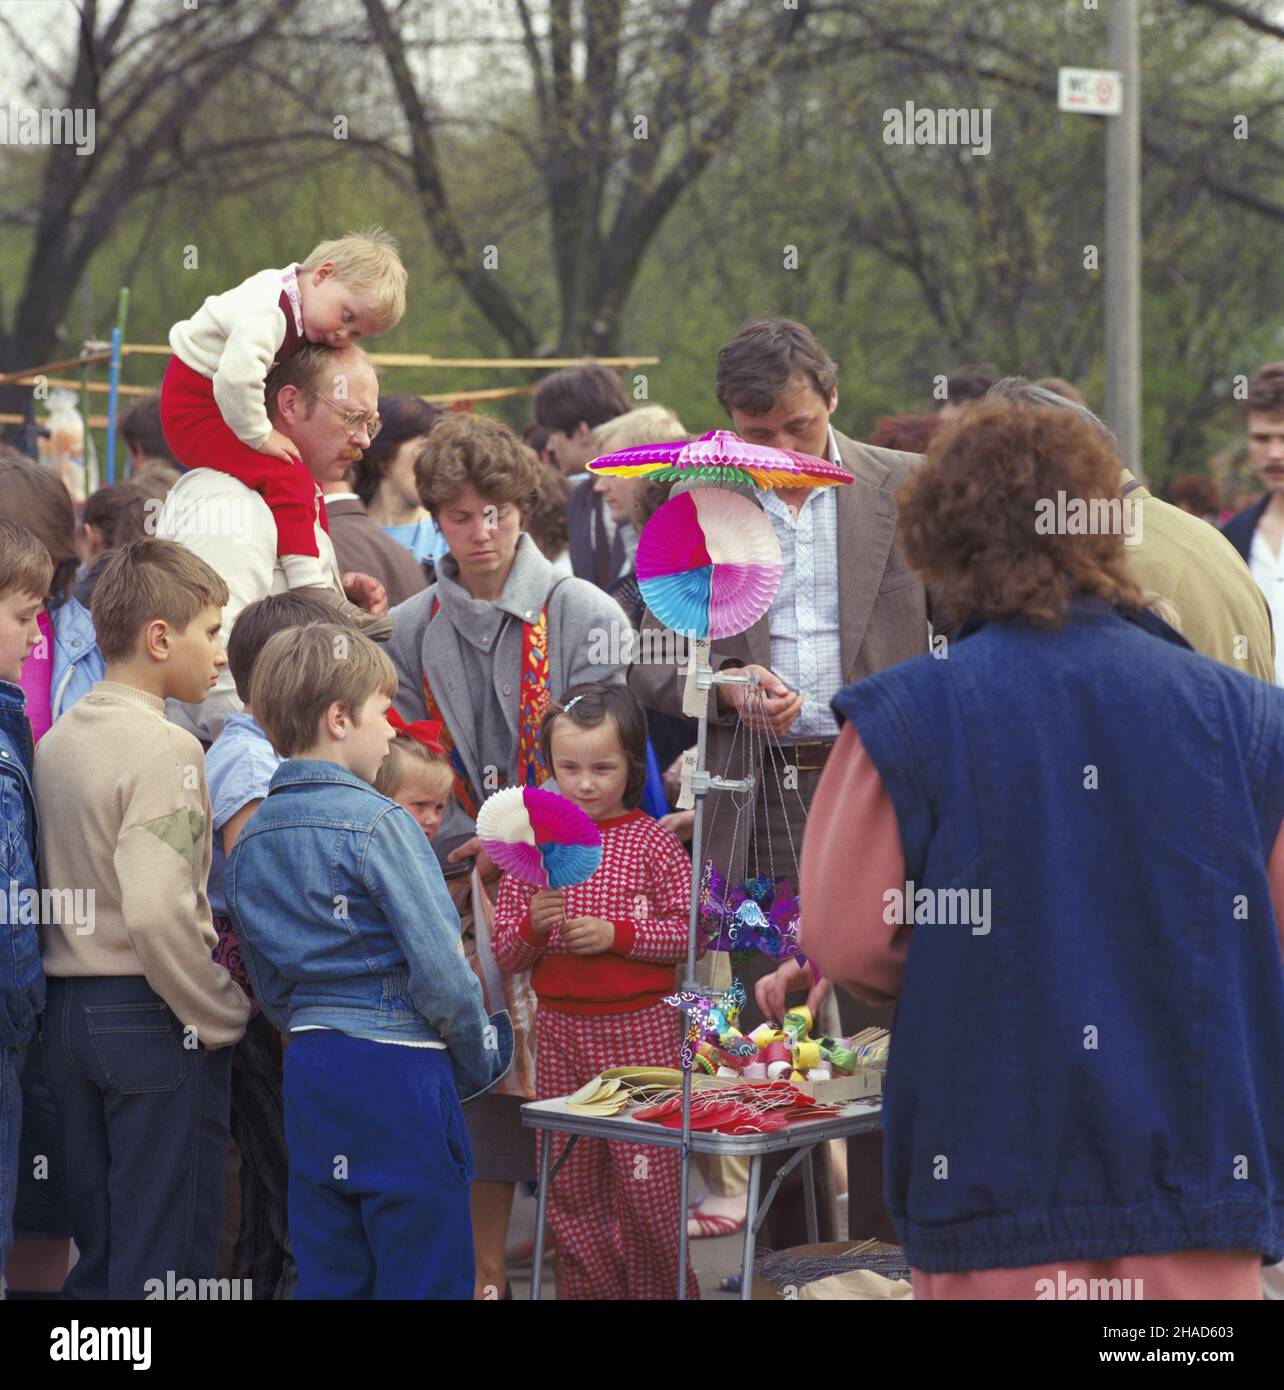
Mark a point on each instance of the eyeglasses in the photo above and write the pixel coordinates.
(356, 420)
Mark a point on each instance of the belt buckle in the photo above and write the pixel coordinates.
(808, 755)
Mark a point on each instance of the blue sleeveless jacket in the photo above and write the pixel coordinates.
(1101, 1073)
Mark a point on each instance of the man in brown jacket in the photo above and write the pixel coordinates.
(362, 546)
(848, 605)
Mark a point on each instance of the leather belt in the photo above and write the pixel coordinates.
(808, 755)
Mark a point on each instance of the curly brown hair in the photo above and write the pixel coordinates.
(484, 452)
(968, 517)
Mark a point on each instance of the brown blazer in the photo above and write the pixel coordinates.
(882, 612)
(362, 546)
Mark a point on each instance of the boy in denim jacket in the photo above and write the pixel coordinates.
(25, 574)
(352, 946)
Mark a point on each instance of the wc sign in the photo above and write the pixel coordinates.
(1090, 91)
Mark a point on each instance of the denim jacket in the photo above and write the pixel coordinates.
(22, 981)
(77, 662)
(345, 923)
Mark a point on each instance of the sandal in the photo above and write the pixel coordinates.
(702, 1225)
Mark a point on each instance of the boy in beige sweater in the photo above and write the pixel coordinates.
(140, 1019)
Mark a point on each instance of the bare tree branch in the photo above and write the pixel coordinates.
(483, 287)
(1242, 13)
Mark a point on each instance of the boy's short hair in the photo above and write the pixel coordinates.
(756, 366)
(263, 619)
(302, 671)
(970, 383)
(408, 760)
(25, 566)
(592, 703)
(591, 393)
(1266, 391)
(146, 580)
(368, 262)
(140, 427)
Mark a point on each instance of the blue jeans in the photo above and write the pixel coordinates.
(146, 1121)
(42, 1211)
(380, 1170)
(11, 1059)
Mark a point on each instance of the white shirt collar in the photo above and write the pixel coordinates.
(341, 497)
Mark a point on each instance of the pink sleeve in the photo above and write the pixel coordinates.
(514, 944)
(1275, 878)
(661, 935)
(851, 857)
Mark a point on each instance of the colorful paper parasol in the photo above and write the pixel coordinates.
(539, 837)
(721, 457)
(708, 563)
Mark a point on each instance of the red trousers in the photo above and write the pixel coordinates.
(200, 438)
(613, 1205)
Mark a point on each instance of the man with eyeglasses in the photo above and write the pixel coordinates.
(325, 401)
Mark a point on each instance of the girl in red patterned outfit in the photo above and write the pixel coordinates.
(601, 956)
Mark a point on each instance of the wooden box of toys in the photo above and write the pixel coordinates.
(836, 1070)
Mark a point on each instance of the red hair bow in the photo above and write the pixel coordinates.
(425, 731)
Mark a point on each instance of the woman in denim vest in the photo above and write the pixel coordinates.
(1071, 877)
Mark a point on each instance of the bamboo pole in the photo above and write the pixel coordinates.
(489, 393)
(9, 378)
(420, 359)
(94, 422)
(101, 387)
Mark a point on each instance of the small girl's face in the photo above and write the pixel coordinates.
(426, 800)
(591, 767)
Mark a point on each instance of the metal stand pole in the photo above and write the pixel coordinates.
(1123, 240)
(690, 982)
(702, 783)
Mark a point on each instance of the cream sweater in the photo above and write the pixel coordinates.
(125, 822)
(232, 339)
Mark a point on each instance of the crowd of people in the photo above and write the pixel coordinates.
(271, 1011)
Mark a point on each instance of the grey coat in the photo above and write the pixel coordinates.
(586, 630)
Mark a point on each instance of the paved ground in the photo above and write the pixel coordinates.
(713, 1258)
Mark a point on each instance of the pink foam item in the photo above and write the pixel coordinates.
(741, 594)
(672, 542)
(723, 449)
(556, 820)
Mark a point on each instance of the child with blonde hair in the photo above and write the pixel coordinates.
(416, 773)
(212, 399)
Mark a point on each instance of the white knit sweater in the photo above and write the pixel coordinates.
(232, 339)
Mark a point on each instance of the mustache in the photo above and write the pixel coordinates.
(351, 454)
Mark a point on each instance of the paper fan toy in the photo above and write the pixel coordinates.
(721, 457)
(539, 837)
(708, 563)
